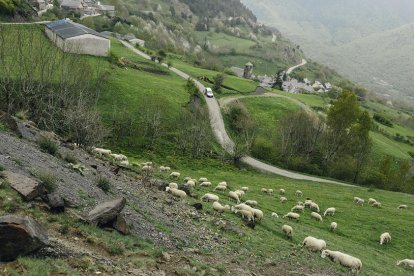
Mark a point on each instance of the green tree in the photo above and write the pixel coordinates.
(218, 82)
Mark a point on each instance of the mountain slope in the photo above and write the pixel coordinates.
(360, 39)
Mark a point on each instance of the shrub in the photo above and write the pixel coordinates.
(70, 158)
(64, 228)
(48, 145)
(22, 115)
(47, 179)
(2, 168)
(2, 127)
(103, 183)
(382, 120)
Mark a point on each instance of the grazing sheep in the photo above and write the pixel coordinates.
(314, 244)
(245, 214)
(359, 201)
(190, 183)
(252, 203)
(288, 231)
(314, 207)
(125, 163)
(220, 188)
(205, 184)
(222, 183)
(300, 203)
(264, 190)
(282, 192)
(203, 179)
(146, 169)
(269, 191)
(240, 193)
(371, 201)
(167, 169)
(330, 211)
(316, 216)
(376, 204)
(101, 152)
(283, 199)
(292, 215)
(343, 259)
(173, 185)
(385, 238)
(243, 206)
(164, 169)
(408, 262)
(333, 226)
(275, 215)
(176, 192)
(187, 178)
(118, 157)
(308, 203)
(258, 214)
(234, 196)
(402, 206)
(299, 193)
(244, 189)
(220, 208)
(296, 208)
(209, 197)
(175, 175)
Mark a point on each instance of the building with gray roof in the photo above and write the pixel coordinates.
(75, 38)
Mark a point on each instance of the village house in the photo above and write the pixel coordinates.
(75, 6)
(105, 9)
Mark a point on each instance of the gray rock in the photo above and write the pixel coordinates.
(27, 187)
(55, 202)
(20, 236)
(106, 211)
(121, 225)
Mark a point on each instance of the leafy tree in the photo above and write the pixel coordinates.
(218, 82)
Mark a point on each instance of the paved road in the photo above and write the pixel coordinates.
(290, 70)
(219, 130)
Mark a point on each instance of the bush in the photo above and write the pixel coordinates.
(103, 183)
(2, 127)
(48, 145)
(70, 158)
(262, 149)
(22, 115)
(47, 179)
(2, 168)
(382, 120)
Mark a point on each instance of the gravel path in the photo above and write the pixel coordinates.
(219, 130)
(290, 70)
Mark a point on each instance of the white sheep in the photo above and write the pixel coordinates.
(343, 259)
(402, 206)
(287, 230)
(245, 214)
(371, 201)
(316, 216)
(292, 215)
(173, 185)
(222, 183)
(308, 203)
(297, 208)
(175, 175)
(359, 201)
(408, 262)
(330, 211)
(234, 196)
(164, 169)
(314, 244)
(220, 208)
(283, 199)
(176, 192)
(243, 206)
(244, 189)
(252, 203)
(118, 157)
(203, 179)
(205, 184)
(376, 204)
(187, 178)
(269, 191)
(258, 214)
(101, 152)
(209, 197)
(282, 192)
(146, 169)
(299, 193)
(264, 190)
(220, 188)
(314, 207)
(385, 238)
(275, 215)
(333, 226)
(190, 183)
(240, 193)
(124, 163)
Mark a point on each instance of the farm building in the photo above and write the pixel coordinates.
(75, 38)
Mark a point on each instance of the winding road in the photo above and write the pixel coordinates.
(290, 70)
(219, 130)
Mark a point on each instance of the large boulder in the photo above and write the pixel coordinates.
(27, 187)
(121, 225)
(106, 211)
(20, 236)
(55, 202)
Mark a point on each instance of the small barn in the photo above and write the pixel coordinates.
(75, 38)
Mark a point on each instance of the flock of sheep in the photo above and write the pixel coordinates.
(249, 212)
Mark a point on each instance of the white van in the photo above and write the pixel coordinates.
(209, 92)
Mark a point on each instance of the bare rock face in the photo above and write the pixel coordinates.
(106, 211)
(121, 225)
(25, 186)
(20, 236)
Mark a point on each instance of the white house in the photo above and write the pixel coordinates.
(75, 38)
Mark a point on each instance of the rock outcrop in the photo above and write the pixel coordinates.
(20, 236)
(106, 211)
(27, 187)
